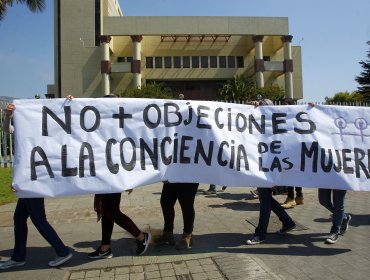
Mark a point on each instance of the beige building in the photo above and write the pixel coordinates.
(99, 51)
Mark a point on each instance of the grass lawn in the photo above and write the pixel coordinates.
(6, 194)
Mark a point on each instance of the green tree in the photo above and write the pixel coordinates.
(239, 88)
(245, 89)
(273, 93)
(364, 78)
(345, 97)
(34, 5)
(151, 90)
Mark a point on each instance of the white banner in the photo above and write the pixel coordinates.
(112, 144)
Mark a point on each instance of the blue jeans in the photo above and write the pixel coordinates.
(212, 187)
(336, 207)
(268, 203)
(35, 209)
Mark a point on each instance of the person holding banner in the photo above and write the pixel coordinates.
(107, 207)
(333, 200)
(268, 204)
(292, 201)
(35, 209)
(185, 194)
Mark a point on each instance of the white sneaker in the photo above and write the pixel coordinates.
(10, 263)
(60, 260)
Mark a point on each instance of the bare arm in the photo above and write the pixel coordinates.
(8, 128)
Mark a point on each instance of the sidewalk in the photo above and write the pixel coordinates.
(223, 223)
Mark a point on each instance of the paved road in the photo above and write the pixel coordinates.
(223, 223)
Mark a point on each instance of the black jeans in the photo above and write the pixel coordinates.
(298, 191)
(185, 193)
(112, 214)
(268, 203)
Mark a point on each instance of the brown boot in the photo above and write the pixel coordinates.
(166, 238)
(185, 242)
(289, 203)
(299, 200)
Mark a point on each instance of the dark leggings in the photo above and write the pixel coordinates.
(185, 193)
(112, 214)
(298, 191)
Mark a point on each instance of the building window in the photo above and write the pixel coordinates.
(213, 61)
(240, 62)
(177, 62)
(149, 62)
(266, 58)
(158, 62)
(222, 61)
(121, 59)
(231, 61)
(186, 61)
(167, 62)
(129, 59)
(204, 61)
(195, 61)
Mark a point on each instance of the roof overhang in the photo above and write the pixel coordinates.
(185, 25)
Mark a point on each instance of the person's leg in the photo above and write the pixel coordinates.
(211, 189)
(186, 197)
(115, 214)
(290, 193)
(290, 201)
(187, 192)
(298, 191)
(168, 200)
(265, 196)
(288, 223)
(36, 210)
(20, 231)
(299, 200)
(338, 210)
(325, 199)
(106, 232)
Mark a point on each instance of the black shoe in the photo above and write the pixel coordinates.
(255, 240)
(97, 254)
(143, 245)
(332, 238)
(286, 229)
(345, 224)
(208, 192)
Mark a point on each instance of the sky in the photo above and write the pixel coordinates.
(332, 34)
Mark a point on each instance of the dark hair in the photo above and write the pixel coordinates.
(287, 101)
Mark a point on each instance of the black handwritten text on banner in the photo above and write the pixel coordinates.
(108, 145)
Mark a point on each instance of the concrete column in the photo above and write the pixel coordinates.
(136, 62)
(259, 65)
(288, 65)
(105, 65)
